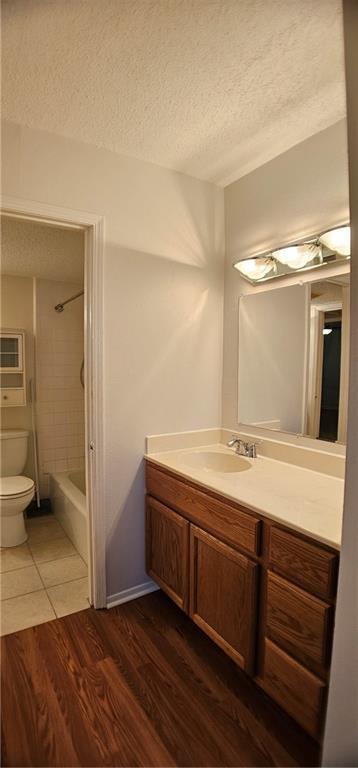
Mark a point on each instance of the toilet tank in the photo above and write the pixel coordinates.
(13, 451)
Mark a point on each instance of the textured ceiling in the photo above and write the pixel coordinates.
(213, 88)
(30, 249)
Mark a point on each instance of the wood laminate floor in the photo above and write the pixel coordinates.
(139, 685)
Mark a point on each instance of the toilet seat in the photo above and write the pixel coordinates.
(15, 487)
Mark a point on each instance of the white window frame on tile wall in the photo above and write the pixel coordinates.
(93, 227)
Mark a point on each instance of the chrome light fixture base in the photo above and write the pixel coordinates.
(329, 247)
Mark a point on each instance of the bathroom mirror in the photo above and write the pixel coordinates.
(293, 359)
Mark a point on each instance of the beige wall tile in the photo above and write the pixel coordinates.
(59, 354)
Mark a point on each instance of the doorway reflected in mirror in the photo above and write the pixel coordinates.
(328, 360)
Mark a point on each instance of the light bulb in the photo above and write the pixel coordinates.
(297, 256)
(338, 240)
(255, 269)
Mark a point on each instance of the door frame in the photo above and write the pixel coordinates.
(316, 373)
(93, 228)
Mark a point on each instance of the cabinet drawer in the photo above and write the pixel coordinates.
(299, 623)
(217, 517)
(12, 397)
(294, 688)
(306, 564)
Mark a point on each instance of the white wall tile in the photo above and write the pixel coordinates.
(60, 397)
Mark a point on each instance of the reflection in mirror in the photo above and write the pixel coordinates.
(293, 359)
(328, 360)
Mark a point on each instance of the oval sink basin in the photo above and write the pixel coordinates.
(212, 461)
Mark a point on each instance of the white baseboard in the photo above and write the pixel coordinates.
(131, 594)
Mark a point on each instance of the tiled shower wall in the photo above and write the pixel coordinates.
(59, 394)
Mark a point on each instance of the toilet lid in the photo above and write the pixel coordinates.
(15, 486)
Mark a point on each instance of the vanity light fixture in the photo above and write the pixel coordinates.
(326, 248)
(338, 240)
(257, 268)
(298, 256)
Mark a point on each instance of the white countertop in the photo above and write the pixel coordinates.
(306, 501)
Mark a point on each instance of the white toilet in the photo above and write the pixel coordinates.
(16, 491)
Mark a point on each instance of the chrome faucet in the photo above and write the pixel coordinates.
(243, 448)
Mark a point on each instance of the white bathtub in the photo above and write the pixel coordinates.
(68, 498)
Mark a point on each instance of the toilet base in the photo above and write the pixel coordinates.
(12, 530)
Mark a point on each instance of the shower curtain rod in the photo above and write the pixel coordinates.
(60, 307)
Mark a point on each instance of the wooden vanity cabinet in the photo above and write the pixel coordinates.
(296, 625)
(261, 592)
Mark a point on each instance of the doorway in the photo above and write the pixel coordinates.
(328, 368)
(92, 229)
(331, 375)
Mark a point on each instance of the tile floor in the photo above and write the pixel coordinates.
(43, 579)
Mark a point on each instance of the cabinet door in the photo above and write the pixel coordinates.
(167, 551)
(223, 595)
(11, 352)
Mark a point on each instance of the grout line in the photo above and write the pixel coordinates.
(62, 582)
(57, 559)
(39, 574)
(62, 585)
(36, 564)
(29, 550)
(46, 590)
(24, 595)
(14, 570)
(51, 603)
(43, 562)
(42, 581)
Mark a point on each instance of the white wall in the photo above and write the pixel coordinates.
(341, 735)
(272, 351)
(300, 192)
(59, 394)
(17, 312)
(163, 300)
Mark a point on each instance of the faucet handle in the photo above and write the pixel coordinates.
(252, 448)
